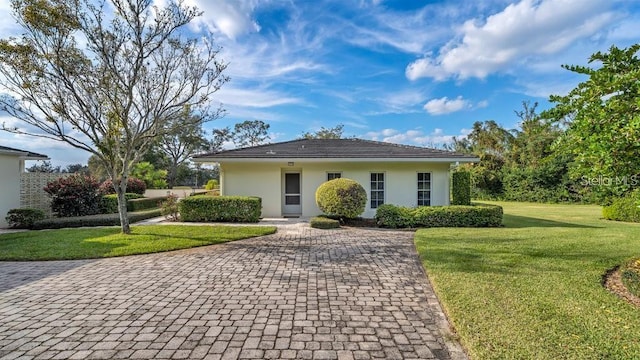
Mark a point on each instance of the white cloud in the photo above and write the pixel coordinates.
(528, 28)
(229, 17)
(446, 106)
(8, 26)
(436, 138)
(253, 97)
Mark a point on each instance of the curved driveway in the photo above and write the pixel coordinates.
(300, 293)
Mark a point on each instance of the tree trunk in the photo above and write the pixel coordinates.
(122, 207)
(173, 174)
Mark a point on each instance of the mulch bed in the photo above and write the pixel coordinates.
(612, 281)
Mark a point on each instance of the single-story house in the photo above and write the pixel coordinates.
(11, 166)
(286, 174)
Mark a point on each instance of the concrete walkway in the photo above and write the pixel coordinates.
(301, 293)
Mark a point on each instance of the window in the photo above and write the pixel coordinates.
(333, 175)
(424, 189)
(377, 190)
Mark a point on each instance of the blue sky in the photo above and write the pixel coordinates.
(412, 72)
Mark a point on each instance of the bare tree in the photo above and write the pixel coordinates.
(106, 78)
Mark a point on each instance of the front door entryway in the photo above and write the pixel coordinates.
(291, 197)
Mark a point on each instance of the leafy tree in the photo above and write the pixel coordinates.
(250, 133)
(491, 142)
(107, 78)
(96, 168)
(325, 133)
(77, 168)
(44, 167)
(532, 143)
(152, 177)
(220, 136)
(180, 143)
(603, 115)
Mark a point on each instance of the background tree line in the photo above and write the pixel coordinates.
(586, 148)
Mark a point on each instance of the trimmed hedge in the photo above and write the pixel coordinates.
(461, 188)
(395, 217)
(93, 220)
(624, 209)
(23, 218)
(319, 222)
(341, 197)
(145, 203)
(109, 203)
(479, 215)
(204, 208)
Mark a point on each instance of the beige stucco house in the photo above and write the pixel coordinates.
(11, 166)
(286, 175)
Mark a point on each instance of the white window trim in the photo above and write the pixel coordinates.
(384, 190)
(430, 187)
(332, 172)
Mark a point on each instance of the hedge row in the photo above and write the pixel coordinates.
(203, 208)
(135, 202)
(624, 209)
(478, 215)
(320, 222)
(93, 220)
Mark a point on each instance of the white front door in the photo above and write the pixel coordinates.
(291, 195)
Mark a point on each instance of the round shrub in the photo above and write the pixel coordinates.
(23, 218)
(342, 197)
(134, 186)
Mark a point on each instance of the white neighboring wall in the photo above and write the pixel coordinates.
(264, 179)
(10, 168)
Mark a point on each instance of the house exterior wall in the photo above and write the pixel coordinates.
(10, 179)
(264, 179)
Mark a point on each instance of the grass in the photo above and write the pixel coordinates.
(532, 290)
(91, 243)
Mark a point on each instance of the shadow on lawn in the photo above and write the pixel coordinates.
(516, 222)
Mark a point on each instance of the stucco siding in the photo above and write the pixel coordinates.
(265, 180)
(254, 179)
(10, 180)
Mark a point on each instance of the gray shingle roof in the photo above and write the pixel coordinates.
(335, 148)
(28, 154)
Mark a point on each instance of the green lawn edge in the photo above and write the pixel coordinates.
(533, 289)
(105, 242)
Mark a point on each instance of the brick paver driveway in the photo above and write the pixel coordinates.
(301, 293)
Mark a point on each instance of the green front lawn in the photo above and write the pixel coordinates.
(532, 290)
(90, 243)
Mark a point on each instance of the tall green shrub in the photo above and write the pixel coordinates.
(461, 188)
(342, 197)
(74, 195)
